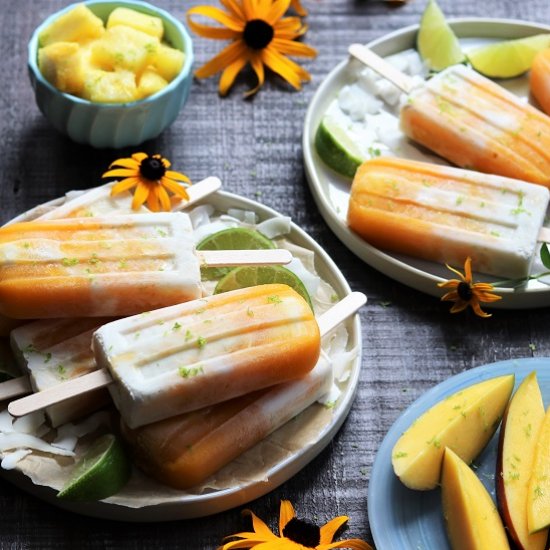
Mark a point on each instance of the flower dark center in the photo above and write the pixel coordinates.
(302, 532)
(464, 291)
(152, 168)
(257, 34)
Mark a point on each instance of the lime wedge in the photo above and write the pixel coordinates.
(337, 149)
(244, 277)
(102, 472)
(509, 58)
(235, 238)
(436, 42)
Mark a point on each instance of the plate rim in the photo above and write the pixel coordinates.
(194, 506)
(520, 367)
(381, 261)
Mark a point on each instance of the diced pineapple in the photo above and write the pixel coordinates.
(124, 48)
(77, 25)
(61, 64)
(168, 62)
(110, 87)
(148, 24)
(150, 83)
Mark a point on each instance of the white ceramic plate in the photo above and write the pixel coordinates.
(189, 506)
(331, 191)
(402, 518)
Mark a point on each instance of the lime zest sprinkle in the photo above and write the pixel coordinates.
(274, 299)
(185, 372)
(176, 326)
(188, 335)
(68, 262)
(48, 357)
(201, 342)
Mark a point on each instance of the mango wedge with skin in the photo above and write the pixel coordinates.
(471, 517)
(465, 422)
(517, 444)
(538, 496)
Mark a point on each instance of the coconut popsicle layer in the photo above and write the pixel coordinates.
(53, 351)
(446, 214)
(195, 354)
(477, 124)
(185, 450)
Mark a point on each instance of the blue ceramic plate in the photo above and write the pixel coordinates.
(405, 519)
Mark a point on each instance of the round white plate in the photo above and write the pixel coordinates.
(331, 191)
(190, 506)
(402, 518)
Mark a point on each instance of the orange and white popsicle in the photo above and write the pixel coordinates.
(52, 351)
(539, 79)
(106, 266)
(185, 450)
(446, 214)
(471, 121)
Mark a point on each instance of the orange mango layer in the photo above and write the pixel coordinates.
(539, 79)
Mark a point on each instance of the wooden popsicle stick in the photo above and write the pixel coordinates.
(226, 258)
(381, 66)
(101, 378)
(15, 387)
(199, 191)
(339, 312)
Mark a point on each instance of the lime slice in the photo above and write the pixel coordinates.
(337, 149)
(244, 277)
(235, 238)
(436, 42)
(509, 58)
(102, 472)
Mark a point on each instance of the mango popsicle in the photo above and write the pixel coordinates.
(471, 121)
(539, 79)
(52, 351)
(446, 214)
(185, 450)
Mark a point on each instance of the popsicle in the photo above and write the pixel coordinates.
(539, 79)
(446, 214)
(471, 121)
(106, 266)
(193, 355)
(52, 351)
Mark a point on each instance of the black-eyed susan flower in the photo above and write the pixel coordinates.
(464, 292)
(260, 36)
(297, 6)
(295, 534)
(152, 179)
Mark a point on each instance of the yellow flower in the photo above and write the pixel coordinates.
(260, 37)
(467, 293)
(150, 176)
(295, 534)
(296, 5)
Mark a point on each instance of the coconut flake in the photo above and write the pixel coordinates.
(200, 215)
(68, 434)
(274, 227)
(10, 460)
(6, 422)
(310, 280)
(30, 423)
(208, 229)
(26, 441)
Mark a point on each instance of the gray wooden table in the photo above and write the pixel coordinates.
(411, 342)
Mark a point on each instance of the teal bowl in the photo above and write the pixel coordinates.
(114, 125)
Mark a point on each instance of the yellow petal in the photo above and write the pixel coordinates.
(298, 8)
(220, 61)
(288, 25)
(353, 544)
(141, 194)
(459, 306)
(456, 271)
(124, 172)
(218, 15)
(175, 188)
(258, 67)
(277, 10)
(285, 68)
(451, 283)
(124, 185)
(138, 157)
(125, 163)
(153, 199)
(329, 529)
(230, 73)
(468, 270)
(286, 514)
(478, 311)
(290, 47)
(260, 528)
(177, 176)
(234, 7)
(450, 296)
(249, 9)
(207, 31)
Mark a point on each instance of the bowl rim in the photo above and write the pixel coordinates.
(182, 75)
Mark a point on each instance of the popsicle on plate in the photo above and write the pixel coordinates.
(185, 450)
(52, 351)
(446, 214)
(106, 266)
(539, 79)
(472, 121)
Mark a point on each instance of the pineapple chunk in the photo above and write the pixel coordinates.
(61, 65)
(148, 24)
(124, 48)
(168, 62)
(110, 87)
(150, 83)
(77, 25)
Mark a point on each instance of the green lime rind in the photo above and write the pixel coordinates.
(234, 238)
(436, 42)
(336, 149)
(247, 276)
(102, 471)
(509, 58)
